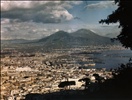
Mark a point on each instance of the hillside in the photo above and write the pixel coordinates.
(57, 40)
(81, 37)
(84, 33)
(61, 39)
(92, 37)
(15, 41)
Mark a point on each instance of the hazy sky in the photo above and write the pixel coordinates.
(36, 19)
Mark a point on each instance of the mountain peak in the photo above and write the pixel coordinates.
(57, 36)
(60, 32)
(82, 37)
(84, 31)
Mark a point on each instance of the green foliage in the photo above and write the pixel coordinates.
(123, 15)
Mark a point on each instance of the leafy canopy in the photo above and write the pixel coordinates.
(123, 15)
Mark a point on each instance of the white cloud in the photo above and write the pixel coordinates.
(5, 20)
(101, 5)
(10, 5)
(38, 11)
(19, 18)
(56, 30)
(32, 30)
(23, 30)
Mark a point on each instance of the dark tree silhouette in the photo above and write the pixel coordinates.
(66, 83)
(121, 83)
(87, 82)
(98, 78)
(123, 15)
(122, 77)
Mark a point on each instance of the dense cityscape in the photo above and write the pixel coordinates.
(66, 50)
(24, 73)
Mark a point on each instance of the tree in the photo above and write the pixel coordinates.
(98, 78)
(123, 15)
(122, 77)
(87, 82)
(66, 84)
(120, 84)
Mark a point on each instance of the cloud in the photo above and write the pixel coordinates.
(10, 5)
(102, 5)
(5, 20)
(23, 30)
(38, 11)
(12, 29)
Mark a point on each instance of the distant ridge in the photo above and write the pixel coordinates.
(82, 37)
(62, 39)
(58, 36)
(84, 33)
(15, 41)
(59, 39)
